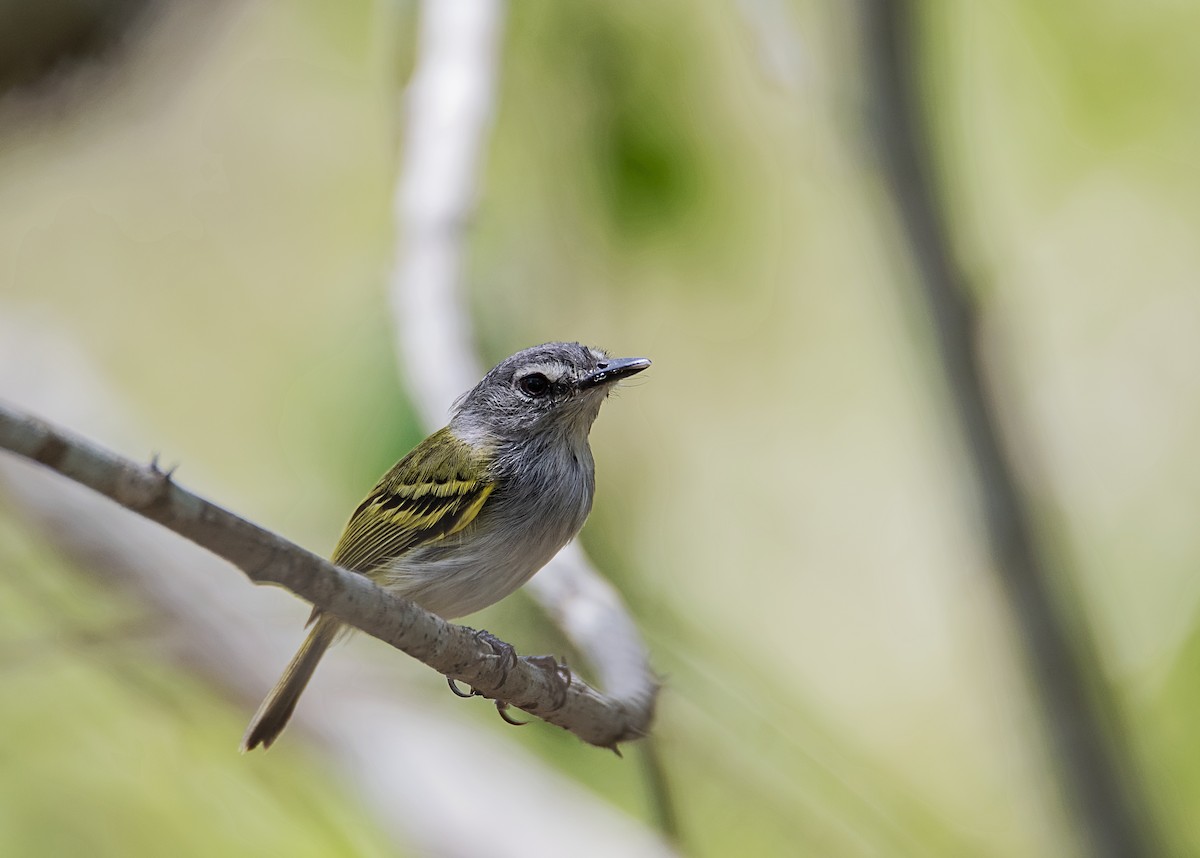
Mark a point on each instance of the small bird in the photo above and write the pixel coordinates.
(477, 507)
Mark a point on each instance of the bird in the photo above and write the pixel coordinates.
(474, 510)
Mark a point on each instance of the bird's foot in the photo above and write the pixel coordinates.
(502, 649)
(559, 675)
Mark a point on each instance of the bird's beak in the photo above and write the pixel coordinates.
(613, 369)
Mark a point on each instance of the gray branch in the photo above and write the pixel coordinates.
(267, 558)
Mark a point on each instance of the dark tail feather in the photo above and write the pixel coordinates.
(275, 711)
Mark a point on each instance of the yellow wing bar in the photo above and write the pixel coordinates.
(435, 491)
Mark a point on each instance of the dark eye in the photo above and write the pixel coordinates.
(534, 384)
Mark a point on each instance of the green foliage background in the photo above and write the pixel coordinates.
(780, 499)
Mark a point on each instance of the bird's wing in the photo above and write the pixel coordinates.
(435, 491)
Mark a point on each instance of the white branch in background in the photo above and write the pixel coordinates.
(451, 101)
(777, 45)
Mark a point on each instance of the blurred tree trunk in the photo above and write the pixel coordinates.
(1097, 773)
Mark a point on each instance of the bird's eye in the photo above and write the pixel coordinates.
(535, 384)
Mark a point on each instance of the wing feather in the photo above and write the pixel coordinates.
(428, 495)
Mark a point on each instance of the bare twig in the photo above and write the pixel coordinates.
(1095, 770)
(268, 558)
(450, 104)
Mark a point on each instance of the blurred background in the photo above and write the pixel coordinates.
(195, 240)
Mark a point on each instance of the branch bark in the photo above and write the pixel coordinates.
(267, 558)
(1096, 772)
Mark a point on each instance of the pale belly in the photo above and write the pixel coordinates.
(495, 555)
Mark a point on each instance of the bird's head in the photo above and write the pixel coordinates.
(543, 391)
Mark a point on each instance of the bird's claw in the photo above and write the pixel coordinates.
(501, 705)
(458, 692)
(502, 709)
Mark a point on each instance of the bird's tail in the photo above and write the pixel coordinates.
(275, 711)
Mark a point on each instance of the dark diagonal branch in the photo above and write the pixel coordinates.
(1095, 771)
(267, 558)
